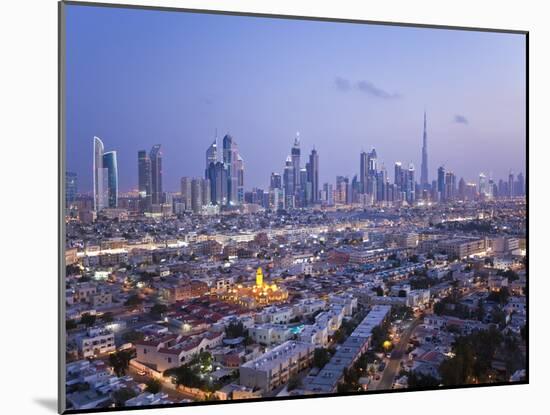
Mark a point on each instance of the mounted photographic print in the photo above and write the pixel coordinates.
(264, 207)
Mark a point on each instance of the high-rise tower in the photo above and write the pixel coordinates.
(314, 176)
(363, 171)
(295, 157)
(211, 156)
(424, 181)
(110, 167)
(144, 181)
(99, 176)
(230, 160)
(156, 174)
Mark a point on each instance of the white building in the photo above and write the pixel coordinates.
(97, 341)
(275, 367)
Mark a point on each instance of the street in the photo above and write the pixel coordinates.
(393, 366)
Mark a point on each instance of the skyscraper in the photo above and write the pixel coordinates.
(450, 185)
(185, 190)
(520, 185)
(196, 195)
(217, 176)
(144, 181)
(70, 188)
(441, 182)
(275, 181)
(99, 176)
(398, 180)
(483, 189)
(342, 191)
(288, 183)
(313, 176)
(410, 185)
(363, 171)
(511, 184)
(230, 161)
(111, 168)
(211, 156)
(240, 179)
(295, 158)
(424, 181)
(206, 192)
(156, 175)
(461, 189)
(372, 161)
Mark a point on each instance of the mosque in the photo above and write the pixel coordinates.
(257, 295)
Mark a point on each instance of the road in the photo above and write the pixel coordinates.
(393, 366)
(169, 389)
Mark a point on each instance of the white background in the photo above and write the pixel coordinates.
(28, 189)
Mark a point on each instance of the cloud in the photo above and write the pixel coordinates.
(460, 119)
(364, 86)
(342, 84)
(370, 89)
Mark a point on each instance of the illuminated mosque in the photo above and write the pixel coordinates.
(257, 295)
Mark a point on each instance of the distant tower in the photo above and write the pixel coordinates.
(100, 178)
(144, 180)
(70, 188)
(363, 171)
(424, 181)
(314, 175)
(110, 167)
(295, 156)
(156, 174)
(259, 277)
(211, 156)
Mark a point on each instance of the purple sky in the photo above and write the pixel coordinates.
(136, 78)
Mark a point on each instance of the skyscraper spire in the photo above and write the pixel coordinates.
(424, 181)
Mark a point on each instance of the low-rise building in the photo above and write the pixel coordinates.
(275, 367)
(97, 341)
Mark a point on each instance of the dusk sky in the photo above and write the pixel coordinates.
(136, 78)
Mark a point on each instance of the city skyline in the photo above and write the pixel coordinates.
(330, 106)
(223, 184)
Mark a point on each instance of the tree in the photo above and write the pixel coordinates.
(153, 386)
(294, 383)
(321, 357)
(378, 336)
(379, 291)
(501, 296)
(133, 301)
(235, 329)
(133, 336)
(473, 356)
(107, 317)
(185, 376)
(120, 361)
(523, 333)
(158, 310)
(510, 274)
(498, 317)
(120, 396)
(419, 380)
(480, 310)
(70, 325)
(439, 308)
(88, 319)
